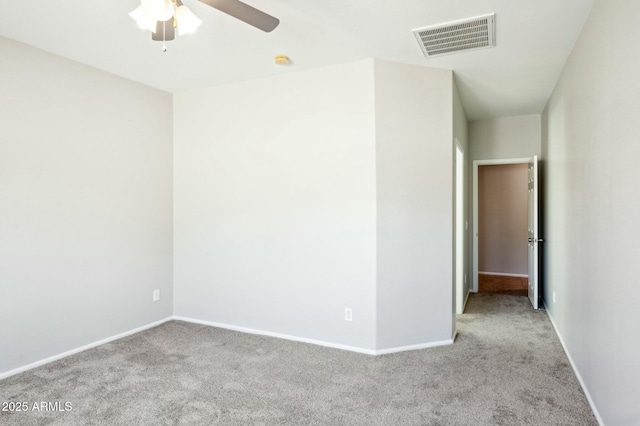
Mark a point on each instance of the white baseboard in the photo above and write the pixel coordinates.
(504, 274)
(278, 335)
(314, 341)
(53, 358)
(415, 347)
(5, 374)
(575, 369)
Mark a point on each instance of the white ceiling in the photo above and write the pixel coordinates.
(534, 38)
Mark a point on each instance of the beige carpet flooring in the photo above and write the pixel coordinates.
(506, 368)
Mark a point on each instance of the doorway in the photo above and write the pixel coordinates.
(501, 225)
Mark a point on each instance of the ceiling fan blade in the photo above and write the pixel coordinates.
(245, 13)
(164, 31)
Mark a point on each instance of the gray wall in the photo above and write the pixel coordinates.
(592, 202)
(275, 198)
(300, 195)
(275, 211)
(505, 137)
(414, 166)
(85, 205)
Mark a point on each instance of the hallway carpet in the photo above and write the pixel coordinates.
(506, 368)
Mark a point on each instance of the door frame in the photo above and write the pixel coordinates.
(460, 232)
(476, 164)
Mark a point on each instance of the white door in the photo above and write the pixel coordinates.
(533, 231)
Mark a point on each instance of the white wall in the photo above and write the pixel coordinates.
(414, 164)
(300, 195)
(505, 137)
(592, 203)
(275, 198)
(85, 205)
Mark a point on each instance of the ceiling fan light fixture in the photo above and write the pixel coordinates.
(164, 17)
(154, 15)
(158, 10)
(142, 19)
(186, 20)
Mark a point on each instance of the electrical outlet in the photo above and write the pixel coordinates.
(348, 314)
(156, 295)
(554, 296)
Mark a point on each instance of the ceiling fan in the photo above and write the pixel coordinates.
(163, 17)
